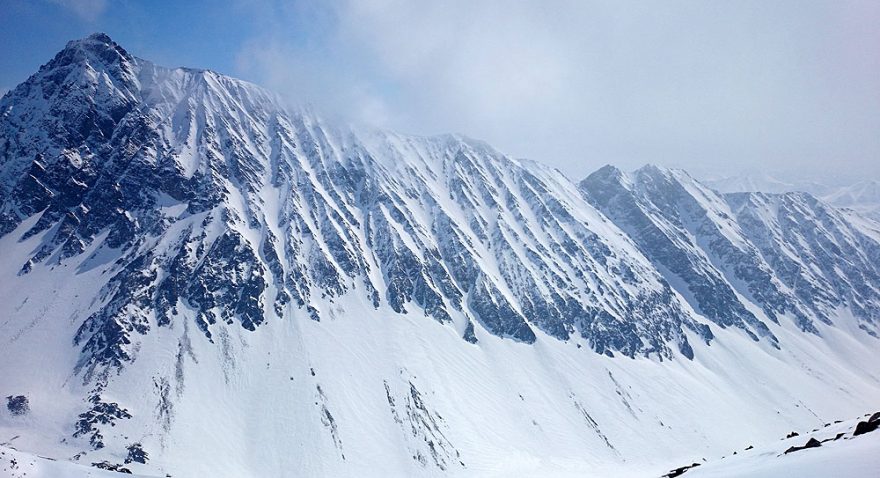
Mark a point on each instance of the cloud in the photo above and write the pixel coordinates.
(297, 53)
(88, 10)
(577, 84)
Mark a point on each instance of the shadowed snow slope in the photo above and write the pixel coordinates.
(199, 280)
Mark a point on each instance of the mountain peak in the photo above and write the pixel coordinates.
(100, 37)
(609, 169)
(605, 173)
(97, 49)
(653, 169)
(97, 39)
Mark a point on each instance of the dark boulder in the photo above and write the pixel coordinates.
(680, 470)
(836, 437)
(866, 427)
(811, 443)
(106, 465)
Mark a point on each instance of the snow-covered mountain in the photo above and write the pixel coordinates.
(198, 279)
(789, 254)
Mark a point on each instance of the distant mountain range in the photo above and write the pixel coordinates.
(862, 196)
(201, 280)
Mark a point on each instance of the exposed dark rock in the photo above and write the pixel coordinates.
(423, 428)
(836, 437)
(469, 335)
(106, 465)
(679, 471)
(329, 421)
(136, 454)
(18, 404)
(866, 427)
(811, 443)
(100, 413)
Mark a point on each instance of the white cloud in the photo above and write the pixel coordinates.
(88, 10)
(577, 84)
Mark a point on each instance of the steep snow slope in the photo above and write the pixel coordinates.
(192, 269)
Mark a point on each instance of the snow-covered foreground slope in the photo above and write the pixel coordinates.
(200, 281)
(250, 406)
(840, 453)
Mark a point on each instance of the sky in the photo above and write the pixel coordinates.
(786, 87)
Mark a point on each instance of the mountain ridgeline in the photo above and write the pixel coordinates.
(210, 192)
(191, 199)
